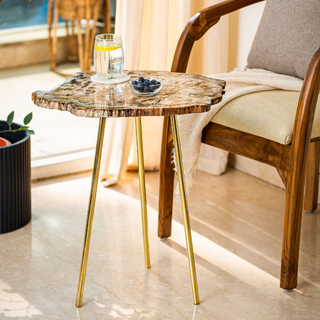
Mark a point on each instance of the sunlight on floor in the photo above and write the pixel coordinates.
(13, 305)
(237, 244)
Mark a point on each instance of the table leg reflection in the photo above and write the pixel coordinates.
(92, 202)
(143, 198)
(185, 212)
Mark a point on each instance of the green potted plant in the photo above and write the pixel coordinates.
(15, 174)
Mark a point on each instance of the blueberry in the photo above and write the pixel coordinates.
(146, 89)
(153, 81)
(158, 82)
(140, 83)
(155, 87)
(141, 79)
(135, 82)
(135, 87)
(146, 82)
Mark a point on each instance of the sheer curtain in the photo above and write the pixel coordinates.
(150, 32)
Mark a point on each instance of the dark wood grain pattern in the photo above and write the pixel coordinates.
(312, 178)
(180, 94)
(247, 145)
(315, 139)
(166, 182)
(284, 176)
(296, 175)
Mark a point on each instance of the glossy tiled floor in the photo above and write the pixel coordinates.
(237, 230)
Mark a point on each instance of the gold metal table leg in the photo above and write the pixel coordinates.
(184, 205)
(143, 197)
(92, 202)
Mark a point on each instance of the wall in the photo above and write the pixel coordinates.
(26, 48)
(243, 25)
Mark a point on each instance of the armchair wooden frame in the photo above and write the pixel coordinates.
(289, 160)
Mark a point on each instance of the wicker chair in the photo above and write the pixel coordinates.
(75, 11)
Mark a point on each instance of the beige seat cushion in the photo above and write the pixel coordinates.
(267, 114)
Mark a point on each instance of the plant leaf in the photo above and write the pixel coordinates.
(27, 118)
(29, 132)
(22, 128)
(10, 119)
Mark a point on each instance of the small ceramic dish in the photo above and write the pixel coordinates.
(141, 88)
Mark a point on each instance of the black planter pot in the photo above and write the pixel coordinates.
(15, 180)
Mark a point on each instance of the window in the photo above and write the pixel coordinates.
(63, 143)
(22, 13)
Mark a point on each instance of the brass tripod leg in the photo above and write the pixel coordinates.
(143, 198)
(184, 205)
(92, 202)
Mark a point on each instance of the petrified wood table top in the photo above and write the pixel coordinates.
(181, 94)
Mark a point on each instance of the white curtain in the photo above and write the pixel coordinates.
(150, 31)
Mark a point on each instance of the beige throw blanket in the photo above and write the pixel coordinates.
(238, 83)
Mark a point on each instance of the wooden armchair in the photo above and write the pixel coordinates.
(290, 160)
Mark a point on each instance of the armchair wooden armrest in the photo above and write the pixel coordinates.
(307, 101)
(310, 91)
(296, 174)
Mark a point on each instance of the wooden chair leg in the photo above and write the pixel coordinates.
(73, 56)
(166, 182)
(292, 228)
(53, 48)
(80, 45)
(87, 38)
(49, 17)
(68, 38)
(71, 42)
(93, 33)
(107, 16)
(296, 174)
(312, 177)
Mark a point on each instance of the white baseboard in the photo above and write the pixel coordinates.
(258, 170)
(62, 165)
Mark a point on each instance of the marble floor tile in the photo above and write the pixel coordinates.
(237, 233)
